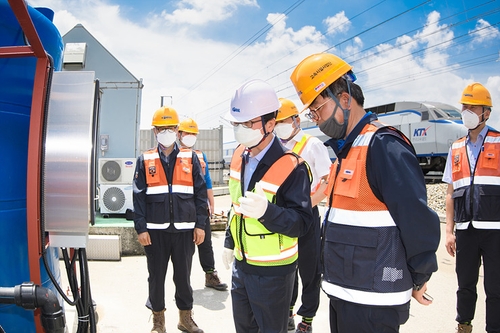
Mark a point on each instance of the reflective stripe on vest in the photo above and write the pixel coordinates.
(178, 225)
(261, 246)
(486, 173)
(366, 297)
(354, 204)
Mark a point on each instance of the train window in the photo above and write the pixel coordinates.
(438, 113)
(425, 115)
(452, 113)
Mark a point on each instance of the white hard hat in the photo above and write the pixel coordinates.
(254, 98)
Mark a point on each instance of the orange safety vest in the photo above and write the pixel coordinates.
(182, 183)
(360, 229)
(253, 241)
(476, 194)
(202, 161)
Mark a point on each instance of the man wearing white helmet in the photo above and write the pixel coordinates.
(265, 223)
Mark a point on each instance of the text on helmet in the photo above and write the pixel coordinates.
(319, 70)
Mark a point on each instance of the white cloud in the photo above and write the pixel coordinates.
(493, 86)
(484, 32)
(339, 23)
(200, 12)
(174, 62)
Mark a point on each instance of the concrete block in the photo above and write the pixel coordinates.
(104, 247)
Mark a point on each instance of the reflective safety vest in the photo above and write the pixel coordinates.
(253, 241)
(364, 260)
(476, 196)
(299, 146)
(160, 195)
(202, 161)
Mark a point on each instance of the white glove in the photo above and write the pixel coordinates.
(227, 257)
(254, 204)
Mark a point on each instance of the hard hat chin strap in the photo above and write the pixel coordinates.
(346, 112)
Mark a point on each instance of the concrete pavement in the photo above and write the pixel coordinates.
(119, 289)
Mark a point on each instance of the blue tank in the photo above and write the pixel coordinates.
(16, 82)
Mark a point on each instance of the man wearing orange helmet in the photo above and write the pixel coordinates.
(170, 206)
(472, 209)
(315, 153)
(188, 131)
(380, 237)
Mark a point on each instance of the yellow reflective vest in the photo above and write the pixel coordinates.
(253, 241)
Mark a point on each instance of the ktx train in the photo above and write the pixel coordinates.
(431, 127)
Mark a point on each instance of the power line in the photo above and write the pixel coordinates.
(478, 59)
(242, 47)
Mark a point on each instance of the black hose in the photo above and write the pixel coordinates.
(30, 296)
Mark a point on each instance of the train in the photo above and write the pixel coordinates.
(431, 127)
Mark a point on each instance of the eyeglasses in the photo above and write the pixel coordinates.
(171, 129)
(245, 124)
(313, 113)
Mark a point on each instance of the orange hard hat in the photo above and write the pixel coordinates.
(165, 116)
(315, 73)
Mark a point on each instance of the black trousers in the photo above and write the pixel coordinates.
(205, 250)
(474, 245)
(260, 303)
(309, 269)
(179, 248)
(347, 317)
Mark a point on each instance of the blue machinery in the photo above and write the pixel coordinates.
(47, 193)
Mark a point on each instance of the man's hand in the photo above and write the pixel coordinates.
(254, 204)
(450, 244)
(419, 295)
(228, 257)
(198, 235)
(144, 238)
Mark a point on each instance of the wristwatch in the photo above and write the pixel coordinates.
(417, 287)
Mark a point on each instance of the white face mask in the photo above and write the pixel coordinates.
(166, 138)
(248, 137)
(470, 119)
(188, 140)
(284, 130)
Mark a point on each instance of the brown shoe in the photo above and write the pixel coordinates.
(212, 281)
(464, 328)
(186, 322)
(158, 322)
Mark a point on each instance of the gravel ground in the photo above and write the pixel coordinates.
(436, 195)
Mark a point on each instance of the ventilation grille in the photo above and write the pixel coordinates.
(113, 199)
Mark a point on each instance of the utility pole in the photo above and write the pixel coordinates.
(163, 97)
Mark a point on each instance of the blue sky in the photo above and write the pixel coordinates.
(200, 51)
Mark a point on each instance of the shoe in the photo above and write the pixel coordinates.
(212, 281)
(464, 328)
(158, 322)
(303, 327)
(186, 322)
(291, 323)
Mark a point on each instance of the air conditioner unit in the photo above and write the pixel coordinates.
(116, 170)
(115, 199)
